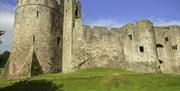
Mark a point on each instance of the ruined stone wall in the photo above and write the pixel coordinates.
(100, 47)
(135, 47)
(34, 39)
(167, 42)
(145, 55)
(118, 47)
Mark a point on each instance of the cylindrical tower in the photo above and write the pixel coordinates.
(34, 40)
(145, 46)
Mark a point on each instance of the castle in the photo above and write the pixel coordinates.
(49, 37)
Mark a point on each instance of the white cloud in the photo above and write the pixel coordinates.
(106, 22)
(6, 24)
(115, 23)
(167, 23)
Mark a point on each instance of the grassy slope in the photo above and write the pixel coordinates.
(99, 79)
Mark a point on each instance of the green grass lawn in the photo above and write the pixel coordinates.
(95, 79)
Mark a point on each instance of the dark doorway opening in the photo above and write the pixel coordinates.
(36, 68)
(160, 67)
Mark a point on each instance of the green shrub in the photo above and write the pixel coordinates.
(3, 58)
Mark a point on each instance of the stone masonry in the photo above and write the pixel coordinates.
(49, 37)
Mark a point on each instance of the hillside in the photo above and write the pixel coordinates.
(95, 79)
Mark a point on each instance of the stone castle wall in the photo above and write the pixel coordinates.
(132, 47)
(141, 47)
(167, 42)
(99, 48)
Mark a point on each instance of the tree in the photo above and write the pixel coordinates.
(1, 33)
(3, 58)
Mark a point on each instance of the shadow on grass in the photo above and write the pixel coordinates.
(36, 85)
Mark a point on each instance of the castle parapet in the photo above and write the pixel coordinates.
(144, 23)
(46, 3)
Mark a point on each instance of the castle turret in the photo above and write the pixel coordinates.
(145, 46)
(34, 40)
(128, 42)
(71, 12)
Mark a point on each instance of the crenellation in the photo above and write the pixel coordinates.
(47, 3)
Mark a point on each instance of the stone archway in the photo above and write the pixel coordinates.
(36, 68)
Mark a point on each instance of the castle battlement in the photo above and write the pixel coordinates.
(47, 3)
(144, 23)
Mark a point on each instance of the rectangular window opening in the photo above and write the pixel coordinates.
(37, 13)
(174, 47)
(141, 49)
(130, 37)
(33, 39)
(166, 39)
(58, 40)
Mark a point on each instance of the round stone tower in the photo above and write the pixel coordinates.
(34, 39)
(145, 46)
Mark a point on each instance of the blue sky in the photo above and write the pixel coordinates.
(110, 13)
(122, 11)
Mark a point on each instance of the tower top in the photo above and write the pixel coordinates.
(47, 3)
(144, 23)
